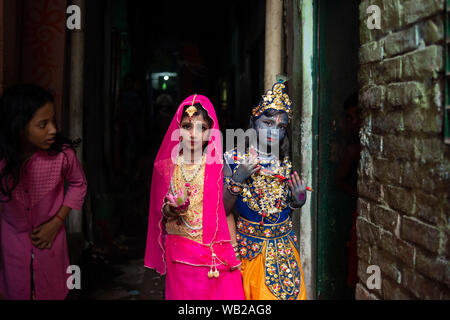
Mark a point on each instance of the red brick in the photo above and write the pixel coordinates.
(400, 199)
(420, 286)
(388, 265)
(389, 122)
(372, 97)
(372, 142)
(363, 250)
(361, 293)
(406, 253)
(366, 231)
(428, 208)
(414, 10)
(363, 208)
(434, 267)
(386, 242)
(384, 217)
(402, 41)
(392, 291)
(370, 189)
(389, 70)
(415, 231)
(423, 63)
(403, 95)
(388, 171)
(396, 147)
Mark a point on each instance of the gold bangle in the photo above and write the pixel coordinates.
(235, 189)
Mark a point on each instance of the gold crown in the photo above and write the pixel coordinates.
(274, 99)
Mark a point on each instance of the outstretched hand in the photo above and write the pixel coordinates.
(298, 189)
(245, 169)
(173, 211)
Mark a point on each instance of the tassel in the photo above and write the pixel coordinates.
(216, 272)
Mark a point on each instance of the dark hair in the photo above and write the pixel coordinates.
(17, 107)
(284, 144)
(200, 111)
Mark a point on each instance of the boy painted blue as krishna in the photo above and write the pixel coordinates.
(262, 190)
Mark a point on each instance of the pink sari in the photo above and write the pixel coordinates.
(185, 261)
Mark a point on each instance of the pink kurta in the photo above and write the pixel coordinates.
(37, 198)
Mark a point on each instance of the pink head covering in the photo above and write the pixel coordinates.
(215, 228)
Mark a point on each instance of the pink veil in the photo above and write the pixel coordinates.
(215, 228)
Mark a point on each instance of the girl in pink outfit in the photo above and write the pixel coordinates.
(189, 235)
(35, 162)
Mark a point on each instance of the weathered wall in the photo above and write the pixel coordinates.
(403, 222)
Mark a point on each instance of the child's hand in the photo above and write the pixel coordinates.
(298, 189)
(173, 211)
(178, 203)
(43, 236)
(245, 169)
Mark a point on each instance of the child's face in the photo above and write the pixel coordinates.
(194, 132)
(41, 130)
(275, 126)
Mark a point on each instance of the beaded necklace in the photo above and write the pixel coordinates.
(267, 192)
(183, 171)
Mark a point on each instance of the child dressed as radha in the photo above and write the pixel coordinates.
(188, 232)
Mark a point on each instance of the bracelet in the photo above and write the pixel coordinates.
(293, 207)
(234, 187)
(56, 215)
(232, 180)
(234, 190)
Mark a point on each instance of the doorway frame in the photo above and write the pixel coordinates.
(303, 89)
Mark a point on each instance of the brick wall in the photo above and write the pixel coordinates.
(403, 184)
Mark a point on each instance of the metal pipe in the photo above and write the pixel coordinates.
(274, 41)
(76, 101)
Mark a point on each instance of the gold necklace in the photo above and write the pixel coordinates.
(183, 171)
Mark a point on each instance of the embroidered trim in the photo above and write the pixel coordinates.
(265, 194)
(282, 272)
(266, 231)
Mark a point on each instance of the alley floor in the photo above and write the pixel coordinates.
(117, 272)
(122, 281)
(132, 281)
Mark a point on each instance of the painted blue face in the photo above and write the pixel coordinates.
(275, 126)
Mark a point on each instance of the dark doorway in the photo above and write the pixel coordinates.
(337, 56)
(142, 59)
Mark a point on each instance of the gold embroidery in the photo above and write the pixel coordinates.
(268, 194)
(191, 227)
(282, 273)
